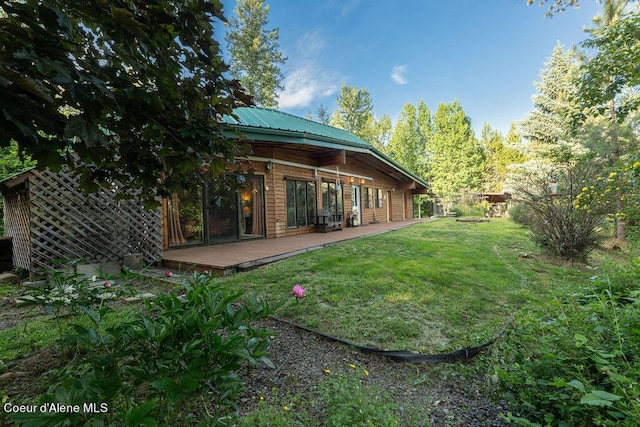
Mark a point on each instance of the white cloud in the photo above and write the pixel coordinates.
(398, 74)
(307, 81)
(303, 86)
(348, 7)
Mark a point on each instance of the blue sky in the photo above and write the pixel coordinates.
(485, 54)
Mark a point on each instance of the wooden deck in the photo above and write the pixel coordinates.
(230, 258)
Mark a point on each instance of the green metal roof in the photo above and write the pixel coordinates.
(285, 123)
(273, 125)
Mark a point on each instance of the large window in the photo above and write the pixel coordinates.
(301, 203)
(378, 198)
(332, 198)
(368, 197)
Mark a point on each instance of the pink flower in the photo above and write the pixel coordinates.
(298, 291)
(168, 273)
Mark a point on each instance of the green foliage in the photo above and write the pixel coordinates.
(576, 362)
(69, 294)
(348, 397)
(185, 346)
(408, 143)
(130, 90)
(12, 162)
(614, 195)
(457, 159)
(349, 400)
(614, 68)
(546, 128)
(499, 155)
(554, 221)
(255, 55)
(520, 214)
(354, 110)
(285, 411)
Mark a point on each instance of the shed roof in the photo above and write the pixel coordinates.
(258, 123)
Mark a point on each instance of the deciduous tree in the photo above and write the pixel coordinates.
(354, 112)
(457, 158)
(407, 144)
(142, 84)
(499, 155)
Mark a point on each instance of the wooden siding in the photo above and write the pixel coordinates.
(289, 163)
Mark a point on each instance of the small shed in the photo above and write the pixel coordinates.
(49, 217)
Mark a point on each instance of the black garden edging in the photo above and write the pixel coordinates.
(406, 356)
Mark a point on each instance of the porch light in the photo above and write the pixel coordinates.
(362, 181)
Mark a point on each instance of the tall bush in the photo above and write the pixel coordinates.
(553, 219)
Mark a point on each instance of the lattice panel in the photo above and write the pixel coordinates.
(67, 222)
(16, 225)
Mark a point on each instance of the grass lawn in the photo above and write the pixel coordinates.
(432, 287)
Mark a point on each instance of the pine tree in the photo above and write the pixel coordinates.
(255, 55)
(547, 128)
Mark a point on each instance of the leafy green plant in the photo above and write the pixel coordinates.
(176, 362)
(576, 364)
(349, 400)
(69, 293)
(285, 411)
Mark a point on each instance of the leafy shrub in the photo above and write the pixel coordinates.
(69, 293)
(158, 366)
(520, 214)
(577, 364)
(555, 223)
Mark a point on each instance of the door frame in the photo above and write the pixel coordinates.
(356, 203)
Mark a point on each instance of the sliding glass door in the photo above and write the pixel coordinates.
(224, 210)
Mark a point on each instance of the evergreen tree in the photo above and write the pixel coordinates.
(354, 112)
(321, 115)
(457, 158)
(548, 127)
(255, 54)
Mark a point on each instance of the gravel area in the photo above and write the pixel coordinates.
(301, 358)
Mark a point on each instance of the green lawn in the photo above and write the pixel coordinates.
(432, 287)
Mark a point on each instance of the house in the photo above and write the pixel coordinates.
(298, 173)
(297, 169)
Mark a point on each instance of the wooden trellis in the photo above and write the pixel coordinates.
(49, 217)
